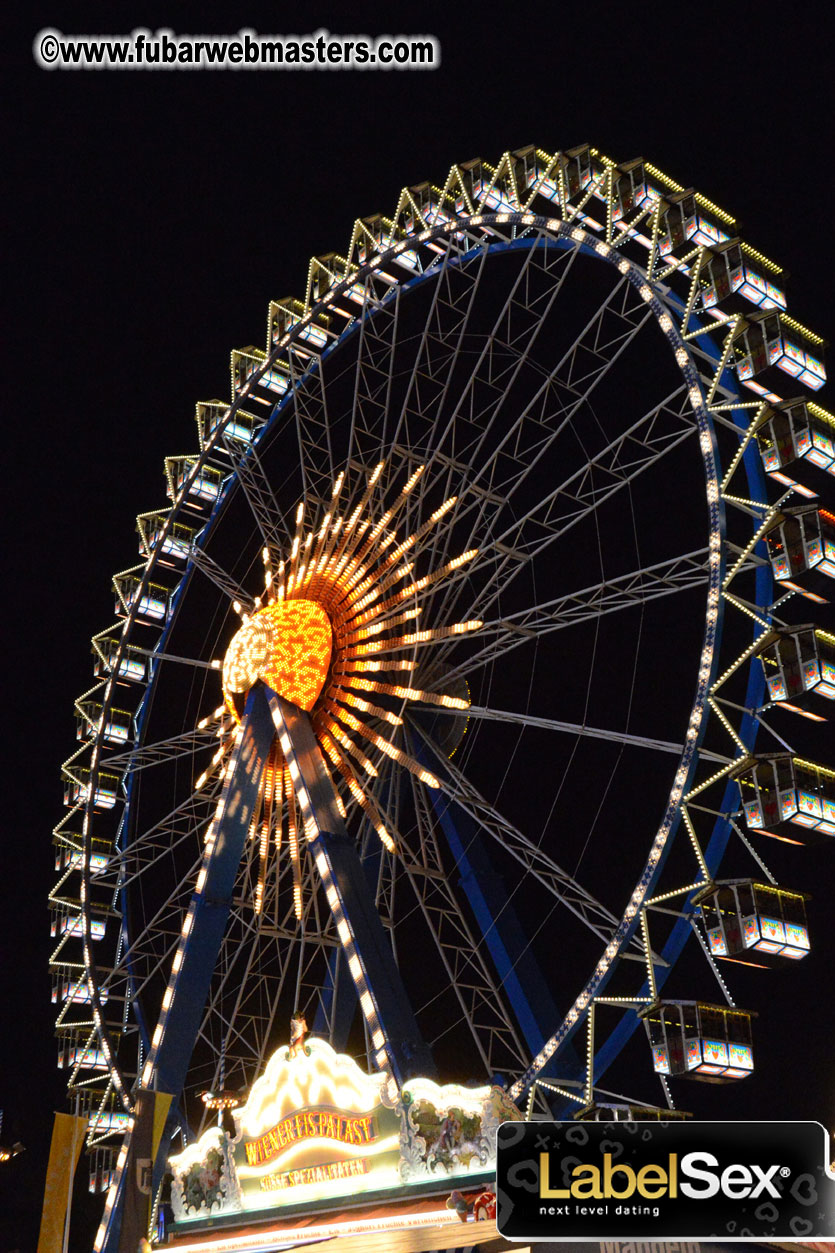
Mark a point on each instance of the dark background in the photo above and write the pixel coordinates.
(151, 217)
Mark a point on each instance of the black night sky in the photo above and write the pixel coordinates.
(150, 219)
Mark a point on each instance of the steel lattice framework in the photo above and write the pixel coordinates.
(467, 389)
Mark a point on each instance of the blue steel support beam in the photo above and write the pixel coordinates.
(188, 987)
(394, 1032)
(210, 907)
(518, 972)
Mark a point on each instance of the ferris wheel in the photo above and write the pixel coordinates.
(444, 666)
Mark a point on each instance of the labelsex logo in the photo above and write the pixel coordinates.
(696, 1175)
(642, 1180)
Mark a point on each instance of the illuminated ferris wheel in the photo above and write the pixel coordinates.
(443, 667)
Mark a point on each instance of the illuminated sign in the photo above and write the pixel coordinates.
(313, 1121)
(316, 1126)
(315, 1174)
(311, 1124)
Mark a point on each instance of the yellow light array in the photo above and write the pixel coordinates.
(215, 762)
(330, 596)
(356, 702)
(376, 627)
(293, 843)
(268, 566)
(417, 637)
(360, 509)
(398, 504)
(381, 586)
(413, 693)
(432, 520)
(379, 527)
(396, 754)
(281, 786)
(356, 569)
(413, 588)
(345, 740)
(288, 645)
(269, 793)
(401, 548)
(348, 545)
(279, 590)
(365, 667)
(353, 532)
(365, 802)
(357, 589)
(297, 570)
(321, 554)
(296, 545)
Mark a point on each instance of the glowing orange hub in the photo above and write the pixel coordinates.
(287, 645)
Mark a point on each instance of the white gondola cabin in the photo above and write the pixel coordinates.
(695, 1040)
(528, 164)
(757, 921)
(115, 728)
(202, 487)
(70, 985)
(86, 1058)
(132, 667)
(240, 426)
(173, 540)
(796, 431)
(629, 189)
(67, 919)
(799, 666)
(683, 225)
(788, 798)
(801, 548)
(77, 790)
(733, 280)
(769, 346)
(149, 601)
(245, 362)
(68, 853)
(102, 1162)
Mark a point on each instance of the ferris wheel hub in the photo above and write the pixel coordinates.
(288, 646)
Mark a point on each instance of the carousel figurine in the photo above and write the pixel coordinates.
(298, 1033)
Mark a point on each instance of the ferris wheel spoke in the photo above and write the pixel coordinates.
(492, 1028)
(185, 821)
(490, 370)
(637, 450)
(446, 453)
(595, 916)
(637, 588)
(187, 744)
(444, 329)
(576, 498)
(373, 377)
(276, 534)
(217, 575)
(255, 928)
(569, 728)
(531, 432)
(245, 1023)
(309, 404)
